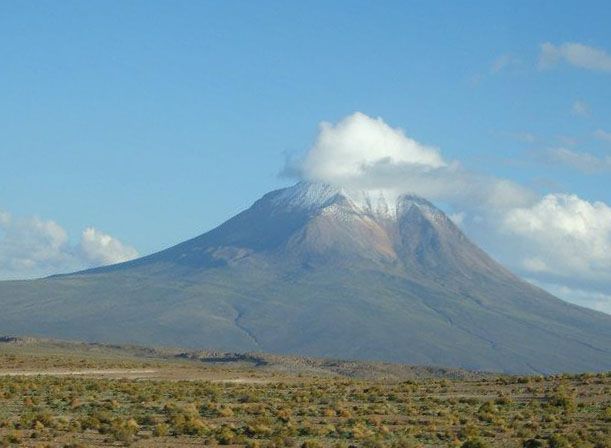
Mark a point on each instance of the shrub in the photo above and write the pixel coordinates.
(474, 443)
(532, 443)
(558, 441)
(311, 444)
(124, 430)
(13, 438)
(562, 399)
(161, 430)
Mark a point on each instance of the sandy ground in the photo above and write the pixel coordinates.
(85, 372)
(154, 374)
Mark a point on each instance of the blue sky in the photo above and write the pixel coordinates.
(151, 122)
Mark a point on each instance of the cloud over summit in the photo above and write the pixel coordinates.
(347, 150)
(366, 153)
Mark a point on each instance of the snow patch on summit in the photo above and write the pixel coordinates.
(377, 203)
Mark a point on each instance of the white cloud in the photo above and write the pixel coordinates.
(27, 244)
(581, 108)
(346, 150)
(575, 54)
(603, 135)
(581, 161)
(102, 249)
(365, 153)
(564, 236)
(32, 247)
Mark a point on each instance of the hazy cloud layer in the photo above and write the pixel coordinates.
(33, 247)
(581, 108)
(581, 161)
(575, 54)
(504, 62)
(559, 239)
(603, 135)
(592, 299)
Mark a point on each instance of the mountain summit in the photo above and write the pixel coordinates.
(315, 269)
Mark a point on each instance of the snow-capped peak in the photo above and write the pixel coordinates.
(380, 203)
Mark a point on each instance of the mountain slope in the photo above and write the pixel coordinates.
(322, 271)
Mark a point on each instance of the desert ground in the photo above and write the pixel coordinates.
(63, 394)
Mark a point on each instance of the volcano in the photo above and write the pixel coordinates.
(319, 270)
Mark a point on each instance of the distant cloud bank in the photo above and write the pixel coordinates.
(32, 247)
(564, 236)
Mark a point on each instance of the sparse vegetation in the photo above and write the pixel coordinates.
(270, 409)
